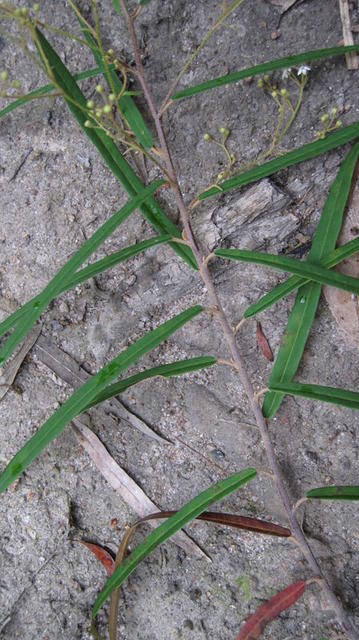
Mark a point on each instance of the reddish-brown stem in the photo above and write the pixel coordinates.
(232, 344)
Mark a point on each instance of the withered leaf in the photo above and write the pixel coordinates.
(344, 306)
(231, 520)
(271, 609)
(104, 556)
(263, 343)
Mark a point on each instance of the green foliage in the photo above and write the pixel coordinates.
(334, 493)
(308, 276)
(33, 309)
(84, 396)
(189, 512)
(305, 306)
(308, 271)
(306, 152)
(340, 397)
(107, 148)
(261, 69)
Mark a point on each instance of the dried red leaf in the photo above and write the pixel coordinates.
(231, 520)
(263, 343)
(271, 610)
(104, 556)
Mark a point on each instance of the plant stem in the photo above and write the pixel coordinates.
(230, 337)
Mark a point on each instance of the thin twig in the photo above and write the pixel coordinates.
(232, 344)
(351, 58)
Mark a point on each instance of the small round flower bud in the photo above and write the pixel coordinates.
(36, 7)
(334, 111)
(260, 83)
(16, 84)
(98, 113)
(112, 97)
(107, 108)
(283, 92)
(224, 131)
(24, 11)
(220, 176)
(90, 104)
(87, 123)
(338, 124)
(99, 88)
(325, 117)
(206, 136)
(4, 76)
(266, 78)
(274, 94)
(110, 52)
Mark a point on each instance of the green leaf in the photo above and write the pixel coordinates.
(306, 152)
(190, 511)
(302, 316)
(117, 6)
(84, 274)
(42, 91)
(335, 493)
(113, 259)
(283, 263)
(280, 291)
(76, 102)
(340, 397)
(165, 370)
(127, 106)
(59, 282)
(83, 396)
(266, 67)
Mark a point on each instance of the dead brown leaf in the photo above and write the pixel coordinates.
(343, 305)
(263, 344)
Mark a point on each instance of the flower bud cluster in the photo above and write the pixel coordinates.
(330, 122)
(97, 113)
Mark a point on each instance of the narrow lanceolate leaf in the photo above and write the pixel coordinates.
(43, 91)
(335, 493)
(84, 274)
(341, 397)
(271, 609)
(190, 511)
(283, 263)
(85, 394)
(294, 282)
(166, 370)
(76, 102)
(35, 308)
(306, 152)
(112, 260)
(105, 557)
(266, 67)
(305, 306)
(230, 520)
(127, 106)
